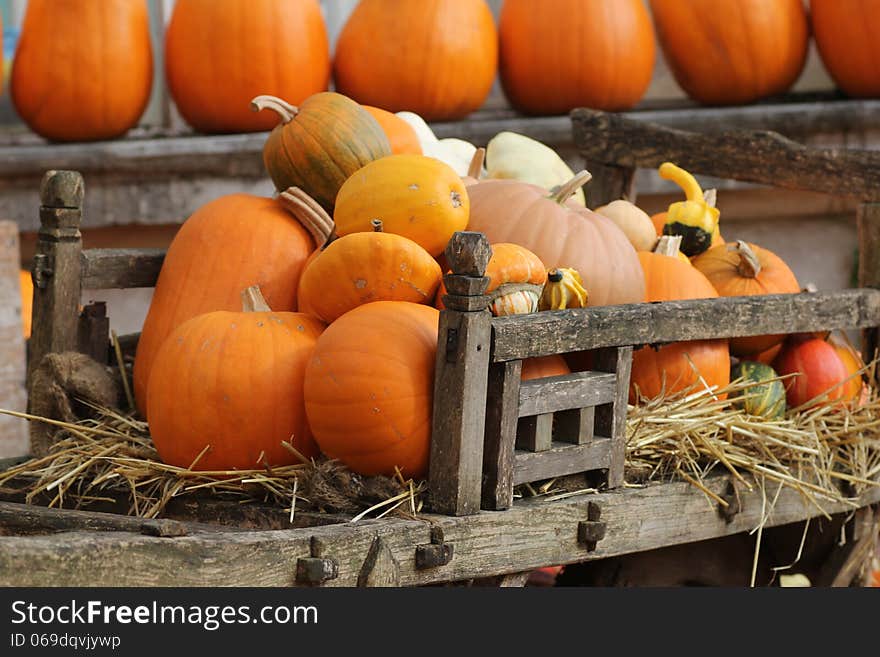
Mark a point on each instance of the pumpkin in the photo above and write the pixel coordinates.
(633, 221)
(26, 284)
(767, 357)
(765, 397)
(710, 196)
(437, 58)
(817, 369)
(217, 58)
(743, 269)
(564, 289)
(401, 135)
(848, 41)
(416, 196)
(731, 52)
(364, 267)
(457, 153)
(318, 145)
(575, 53)
(232, 382)
(231, 243)
(695, 218)
(561, 234)
(369, 388)
(543, 367)
(83, 70)
(853, 363)
(679, 366)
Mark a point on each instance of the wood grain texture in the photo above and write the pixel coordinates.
(535, 433)
(31, 518)
(104, 269)
(611, 418)
(562, 331)
(560, 393)
(502, 410)
(762, 157)
(94, 332)
(868, 224)
(575, 426)
(609, 183)
(560, 460)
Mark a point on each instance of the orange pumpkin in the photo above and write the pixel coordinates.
(232, 382)
(853, 363)
(27, 301)
(848, 39)
(219, 55)
(437, 58)
(743, 269)
(818, 370)
(369, 388)
(83, 70)
(575, 53)
(730, 52)
(319, 144)
(416, 196)
(227, 245)
(539, 368)
(562, 234)
(401, 135)
(767, 357)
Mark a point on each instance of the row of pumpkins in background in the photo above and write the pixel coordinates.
(349, 258)
(437, 58)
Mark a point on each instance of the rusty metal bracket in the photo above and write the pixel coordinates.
(437, 553)
(42, 270)
(316, 569)
(591, 530)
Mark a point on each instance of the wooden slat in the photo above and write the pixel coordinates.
(868, 222)
(560, 393)
(560, 460)
(502, 410)
(611, 418)
(535, 433)
(30, 518)
(562, 331)
(575, 426)
(104, 269)
(752, 156)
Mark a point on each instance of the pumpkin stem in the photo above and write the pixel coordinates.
(749, 265)
(554, 275)
(285, 110)
(475, 170)
(310, 214)
(711, 197)
(668, 245)
(252, 300)
(692, 190)
(565, 191)
(377, 225)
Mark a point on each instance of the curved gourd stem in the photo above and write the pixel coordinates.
(310, 214)
(475, 170)
(377, 225)
(749, 265)
(565, 191)
(668, 245)
(692, 189)
(253, 301)
(285, 110)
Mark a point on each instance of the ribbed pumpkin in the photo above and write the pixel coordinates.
(848, 39)
(678, 366)
(730, 52)
(319, 144)
(742, 269)
(83, 70)
(369, 388)
(225, 246)
(363, 267)
(539, 368)
(233, 381)
(27, 301)
(562, 234)
(564, 289)
(416, 196)
(766, 397)
(575, 53)
(401, 135)
(818, 370)
(437, 58)
(852, 362)
(219, 55)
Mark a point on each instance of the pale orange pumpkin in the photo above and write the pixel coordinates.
(401, 135)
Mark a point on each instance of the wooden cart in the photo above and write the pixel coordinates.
(490, 431)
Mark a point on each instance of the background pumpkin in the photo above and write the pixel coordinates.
(437, 58)
(369, 388)
(539, 368)
(575, 53)
(848, 39)
(817, 368)
(233, 380)
(729, 52)
(219, 55)
(27, 301)
(82, 70)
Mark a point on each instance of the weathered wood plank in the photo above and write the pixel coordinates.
(502, 411)
(562, 331)
(609, 183)
(611, 418)
(868, 223)
(532, 534)
(753, 156)
(94, 332)
(32, 518)
(560, 393)
(560, 460)
(535, 433)
(104, 269)
(576, 426)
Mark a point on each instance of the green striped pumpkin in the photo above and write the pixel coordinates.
(766, 398)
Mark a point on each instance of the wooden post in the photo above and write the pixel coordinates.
(611, 418)
(868, 220)
(57, 265)
(609, 183)
(502, 413)
(13, 432)
(460, 379)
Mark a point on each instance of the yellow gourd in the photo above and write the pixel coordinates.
(564, 289)
(694, 219)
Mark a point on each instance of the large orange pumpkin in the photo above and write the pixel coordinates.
(83, 70)
(232, 382)
(437, 58)
(575, 53)
(219, 55)
(225, 246)
(848, 39)
(729, 52)
(369, 388)
(743, 269)
(562, 234)
(852, 362)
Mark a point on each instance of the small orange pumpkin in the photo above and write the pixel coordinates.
(401, 135)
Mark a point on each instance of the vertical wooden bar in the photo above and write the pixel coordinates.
(610, 183)
(460, 379)
(13, 432)
(94, 332)
(501, 421)
(611, 418)
(868, 221)
(57, 267)
(535, 432)
(575, 426)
